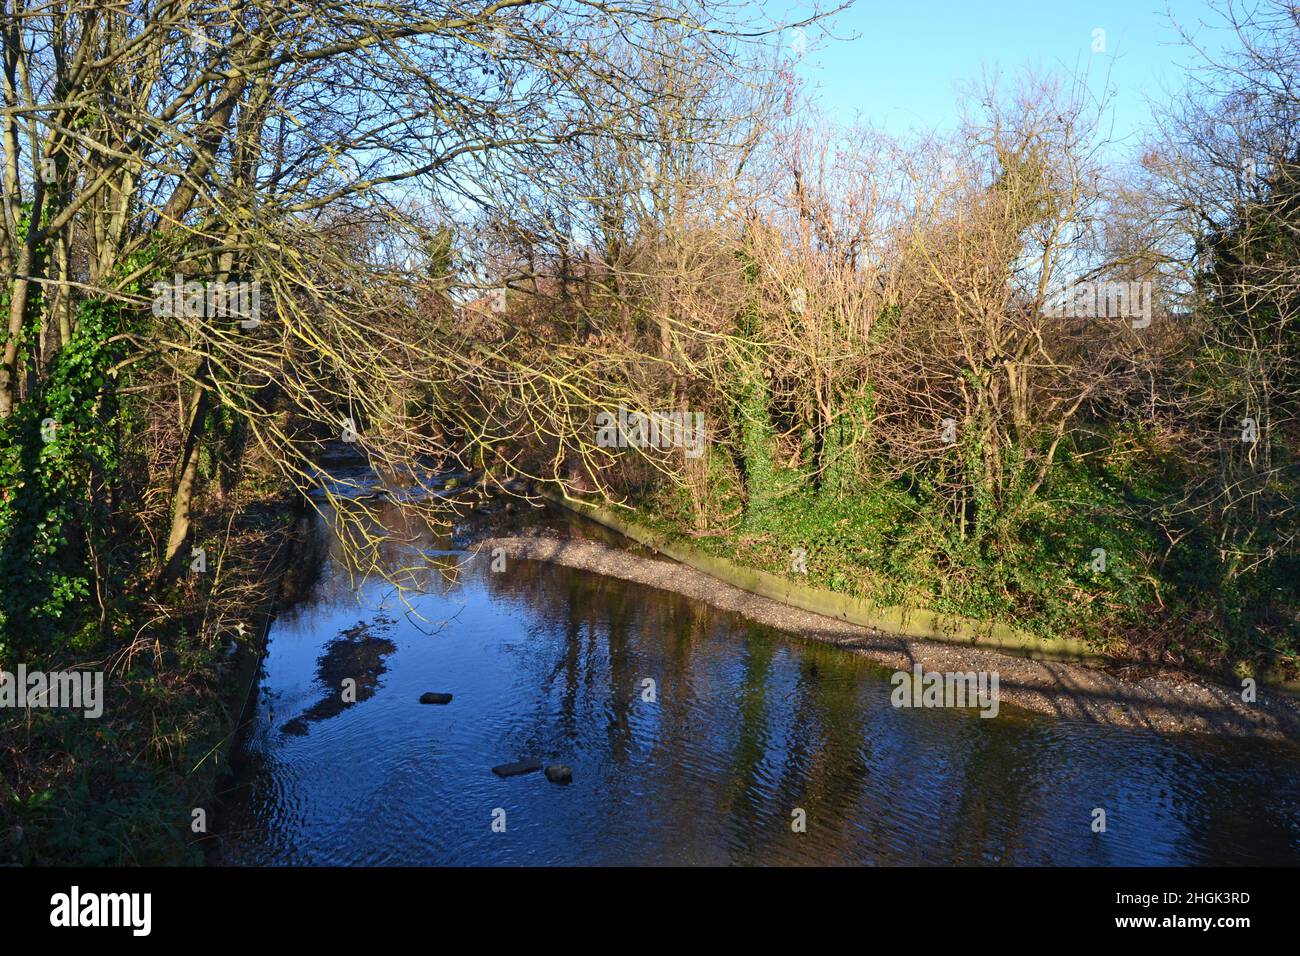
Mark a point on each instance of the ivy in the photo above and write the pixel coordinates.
(57, 452)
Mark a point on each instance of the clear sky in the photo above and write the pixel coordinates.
(898, 64)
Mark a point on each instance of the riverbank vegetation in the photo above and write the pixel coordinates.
(456, 234)
(226, 239)
(1016, 373)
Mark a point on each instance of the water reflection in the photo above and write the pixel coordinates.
(745, 727)
(348, 673)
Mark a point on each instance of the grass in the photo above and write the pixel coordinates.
(122, 789)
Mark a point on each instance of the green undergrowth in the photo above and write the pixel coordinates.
(1088, 557)
(121, 789)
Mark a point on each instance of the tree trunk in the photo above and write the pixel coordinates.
(183, 499)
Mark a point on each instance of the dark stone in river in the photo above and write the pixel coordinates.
(432, 698)
(515, 769)
(559, 773)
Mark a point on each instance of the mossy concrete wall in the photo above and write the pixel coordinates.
(909, 622)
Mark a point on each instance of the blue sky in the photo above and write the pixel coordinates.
(899, 63)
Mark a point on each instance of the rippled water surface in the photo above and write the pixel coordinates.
(747, 726)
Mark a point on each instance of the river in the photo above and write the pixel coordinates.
(693, 736)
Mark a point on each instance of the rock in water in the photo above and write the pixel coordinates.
(559, 773)
(515, 769)
(432, 698)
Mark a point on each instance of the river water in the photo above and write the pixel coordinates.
(743, 733)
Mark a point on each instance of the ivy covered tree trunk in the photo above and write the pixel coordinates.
(753, 424)
(57, 448)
